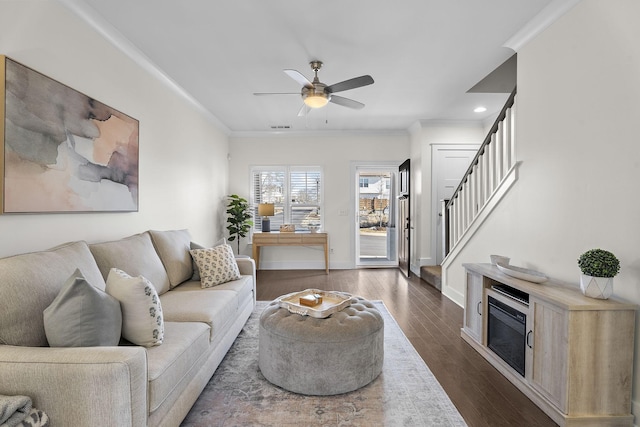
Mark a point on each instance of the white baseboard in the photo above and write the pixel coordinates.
(449, 292)
(635, 410)
(427, 261)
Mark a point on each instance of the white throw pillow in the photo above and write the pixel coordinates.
(142, 321)
(217, 265)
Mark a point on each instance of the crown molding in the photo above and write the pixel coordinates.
(547, 16)
(116, 38)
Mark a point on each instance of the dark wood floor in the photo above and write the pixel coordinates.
(432, 323)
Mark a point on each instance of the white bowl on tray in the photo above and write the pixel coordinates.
(522, 273)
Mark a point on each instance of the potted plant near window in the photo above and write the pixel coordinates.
(238, 218)
(598, 268)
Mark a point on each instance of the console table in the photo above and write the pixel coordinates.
(579, 350)
(276, 238)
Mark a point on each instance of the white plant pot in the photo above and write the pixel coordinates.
(596, 287)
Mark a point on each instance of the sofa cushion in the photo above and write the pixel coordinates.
(243, 287)
(217, 265)
(135, 255)
(142, 321)
(82, 316)
(30, 282)
(216, 308)
(173, 247)
(184, 344)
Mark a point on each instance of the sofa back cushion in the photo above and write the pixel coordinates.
(173, 247)
(30, 282)
(135, 255)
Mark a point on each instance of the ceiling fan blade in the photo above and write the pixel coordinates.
(346, 102)
(299, 77)
(304, 110)
(350, 84)
(275, 93)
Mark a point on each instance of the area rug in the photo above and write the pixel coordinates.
(405, 394)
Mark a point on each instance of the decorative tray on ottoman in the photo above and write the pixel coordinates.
(327, 302)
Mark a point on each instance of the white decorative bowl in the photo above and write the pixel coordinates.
(499, 259)
(522, 273)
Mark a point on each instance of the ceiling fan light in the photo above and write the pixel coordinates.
(316, 101)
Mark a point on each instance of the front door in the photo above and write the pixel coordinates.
(376, 237)
(404, 218)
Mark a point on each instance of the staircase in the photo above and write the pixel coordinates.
(489, 176)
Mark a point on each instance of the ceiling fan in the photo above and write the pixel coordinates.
(316, 94)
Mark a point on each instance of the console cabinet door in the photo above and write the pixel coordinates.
(546, 368)
(473, 307)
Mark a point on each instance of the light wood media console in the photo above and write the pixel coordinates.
(579, 351)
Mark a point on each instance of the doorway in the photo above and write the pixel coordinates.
(376, 214)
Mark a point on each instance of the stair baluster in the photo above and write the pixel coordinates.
(495, 158)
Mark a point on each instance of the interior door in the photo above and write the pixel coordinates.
(450, 162)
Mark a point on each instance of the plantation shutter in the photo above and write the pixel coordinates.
(295, 191)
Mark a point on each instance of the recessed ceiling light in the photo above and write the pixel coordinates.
(480, 109)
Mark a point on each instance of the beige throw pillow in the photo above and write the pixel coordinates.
(217, 265)
(173, 247)
(142, 320)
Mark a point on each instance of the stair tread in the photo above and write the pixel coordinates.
(432, 274)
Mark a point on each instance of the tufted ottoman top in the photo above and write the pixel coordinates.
(360, 319)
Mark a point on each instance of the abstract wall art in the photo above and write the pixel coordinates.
(63, 151)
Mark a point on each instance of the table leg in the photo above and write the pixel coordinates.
(326, 257)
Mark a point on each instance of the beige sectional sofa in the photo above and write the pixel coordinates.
(122, 385)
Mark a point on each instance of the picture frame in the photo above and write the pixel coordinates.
(61, 150)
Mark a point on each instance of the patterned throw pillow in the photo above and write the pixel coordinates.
(217, 265)
(142, 321)
(196, 270)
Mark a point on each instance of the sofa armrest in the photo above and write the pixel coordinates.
(247, 267)
(80, 385)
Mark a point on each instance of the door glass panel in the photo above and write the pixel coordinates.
(376, 233)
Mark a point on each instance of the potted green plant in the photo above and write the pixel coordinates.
(238, 218)
(598, 269)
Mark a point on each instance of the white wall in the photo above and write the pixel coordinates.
(335, 153)
(577, 130)
(183, 156)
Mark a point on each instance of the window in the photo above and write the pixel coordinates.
(364, 182)
(296, 192)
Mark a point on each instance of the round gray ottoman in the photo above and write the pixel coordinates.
(335, 355)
